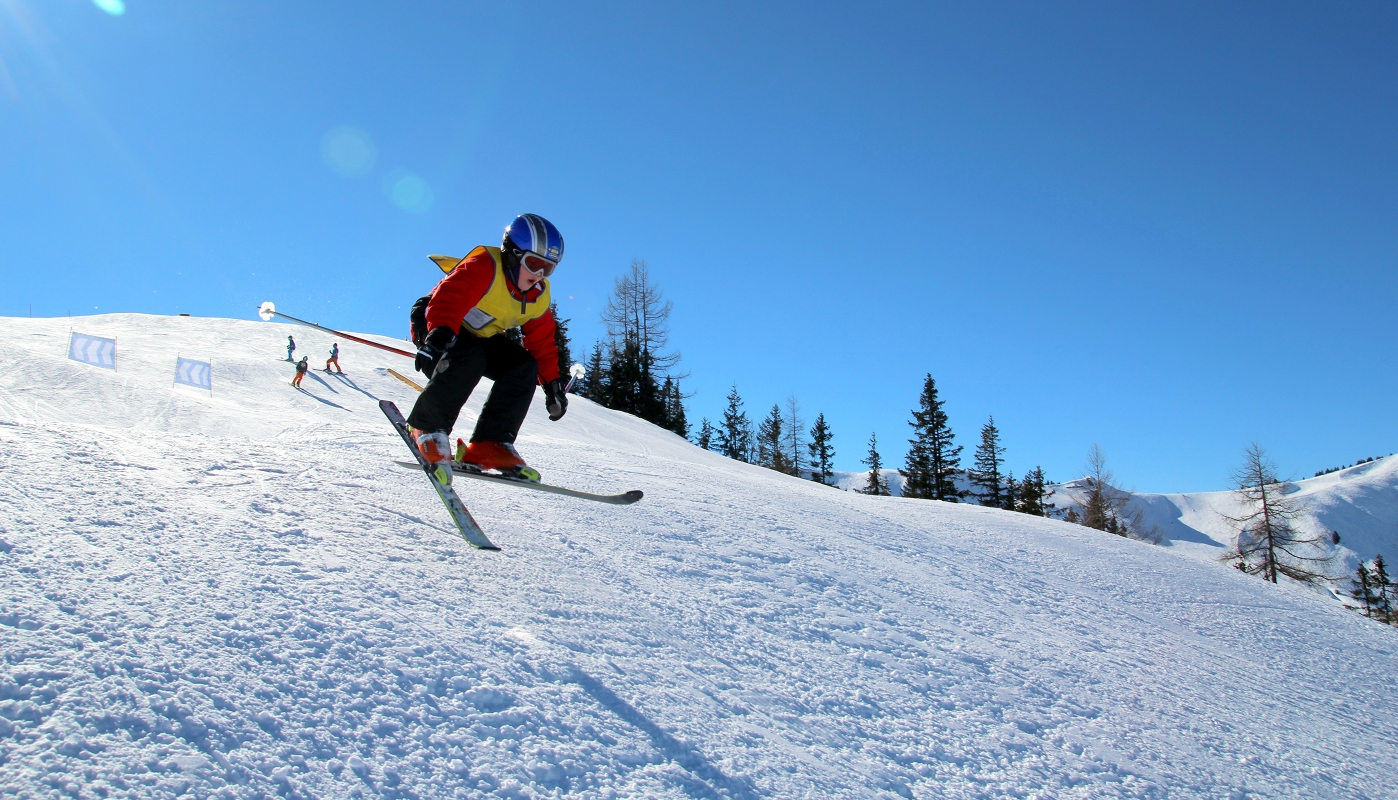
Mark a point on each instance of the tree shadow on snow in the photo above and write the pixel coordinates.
(708, 778)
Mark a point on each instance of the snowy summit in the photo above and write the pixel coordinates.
(236, 593)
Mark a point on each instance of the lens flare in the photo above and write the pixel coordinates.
(348, 151)
(114, 7)
(408, 191)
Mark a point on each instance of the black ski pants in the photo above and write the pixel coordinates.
(468, 360)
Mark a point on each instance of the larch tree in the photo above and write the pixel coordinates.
(1383, 588)
(1107, 507)
(1362, 590)
(1269, 541)
(794, 436)
(637, 318)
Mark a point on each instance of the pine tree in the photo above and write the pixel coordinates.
(707, 434)
(561, 341)
(1011, 498)
(986, 476)
(675, 419)
(735, 435)
(933, 460)
(1033, 495)
(594, 383)
(1362, 589)
(822, 452)
(771, 440)
(876, 485)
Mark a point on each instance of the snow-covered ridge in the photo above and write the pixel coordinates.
(1360, 503)
(239, 595)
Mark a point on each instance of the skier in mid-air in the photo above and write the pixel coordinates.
(290, 348)
(334, 358)
(488, 292)
(302, 367)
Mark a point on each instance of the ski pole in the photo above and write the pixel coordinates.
(575, 372)
(267, 311)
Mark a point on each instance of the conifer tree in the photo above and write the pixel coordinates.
(735, 434)
(594, 382)
(1362, 589)
(933, 459)
(1033, 495)
(561, 341)
(675, 419)
(876, 485)
(1011, 498)
(771, 441)
(822, 452)
(637, 319)
(1269, 543)
(1383, 590)
(707, 434)
(986, 477)
(794, 436)
(1106, 507)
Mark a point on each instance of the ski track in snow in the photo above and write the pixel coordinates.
(239, 595)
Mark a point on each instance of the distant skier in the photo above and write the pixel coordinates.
(302, 367)
(290, 349)
(334, 358)
(489, 292)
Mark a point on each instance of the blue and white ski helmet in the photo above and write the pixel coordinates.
(534, 234)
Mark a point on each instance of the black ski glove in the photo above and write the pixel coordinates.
(433, 347)
(555, 399)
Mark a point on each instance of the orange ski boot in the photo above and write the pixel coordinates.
(436, 450)
(501, 457)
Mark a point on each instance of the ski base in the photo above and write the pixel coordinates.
(457, 468)
(470, 530)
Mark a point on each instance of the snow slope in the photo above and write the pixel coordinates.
(238, 595)
(1360, 503)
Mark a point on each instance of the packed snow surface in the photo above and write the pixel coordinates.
(238, 594)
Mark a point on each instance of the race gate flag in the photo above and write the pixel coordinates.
(94, 350)
(193, 373)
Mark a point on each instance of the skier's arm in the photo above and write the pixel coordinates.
(540, 342)
(460, 291)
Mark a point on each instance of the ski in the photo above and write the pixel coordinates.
(470, 531)
(623, 499)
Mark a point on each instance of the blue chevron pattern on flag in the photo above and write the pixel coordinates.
(193, 373)
(94, 350)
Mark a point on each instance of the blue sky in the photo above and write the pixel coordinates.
(1168, 228)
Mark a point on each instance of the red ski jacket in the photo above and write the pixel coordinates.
(461, 291)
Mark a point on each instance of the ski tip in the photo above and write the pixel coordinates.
(633, 496)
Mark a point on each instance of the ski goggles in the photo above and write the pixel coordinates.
(537, 264)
